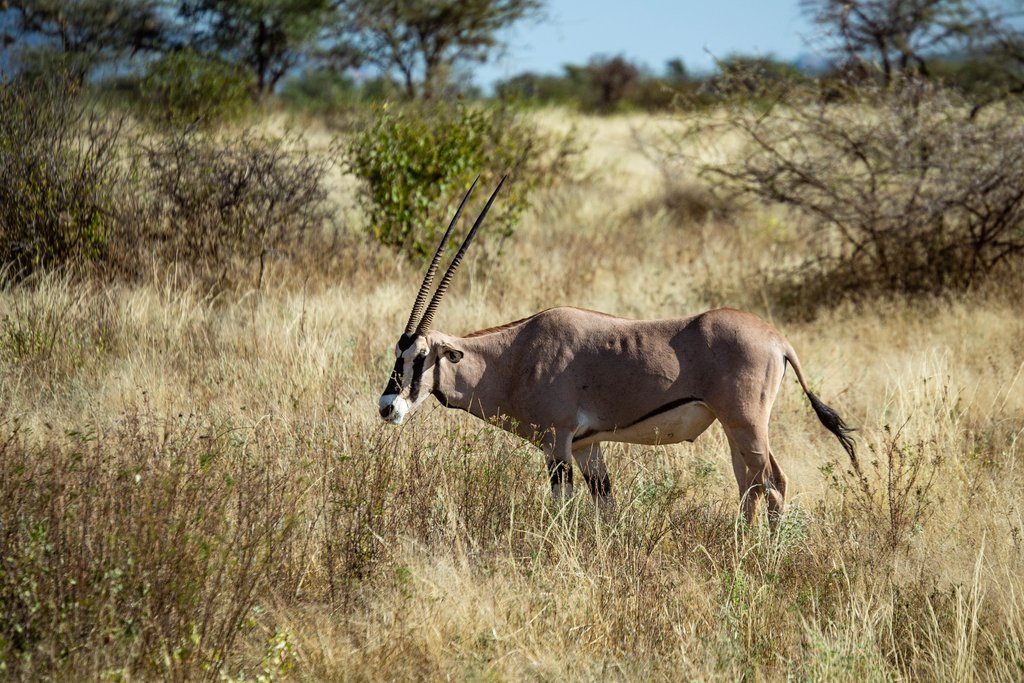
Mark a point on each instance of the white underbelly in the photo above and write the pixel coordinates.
(684, 423)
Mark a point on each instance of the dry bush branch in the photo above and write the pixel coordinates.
(903, 191)
(220, 205)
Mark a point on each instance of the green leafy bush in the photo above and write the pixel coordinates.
(185, 87)
(416, 161)
(57, 174)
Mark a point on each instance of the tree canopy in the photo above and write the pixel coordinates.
(83, 34)
(422, 40)
(268, 37)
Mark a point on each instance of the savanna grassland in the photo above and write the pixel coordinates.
(198, 486)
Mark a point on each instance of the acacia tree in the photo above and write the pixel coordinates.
(611, 80)
(982, 39)
(83, 34)
(268, 37)
(1000, 44)
(423, 40)
(900, 35)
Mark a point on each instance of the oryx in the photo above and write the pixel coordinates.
(569, 379)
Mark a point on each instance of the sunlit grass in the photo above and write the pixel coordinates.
(197, 488)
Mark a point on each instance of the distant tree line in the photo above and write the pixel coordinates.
(310, 51)
(418, 44)
(976, 48)
(607, 84)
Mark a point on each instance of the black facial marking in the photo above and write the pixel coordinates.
(405, 341)
(395, 383)
(560, 473)
(417, 378)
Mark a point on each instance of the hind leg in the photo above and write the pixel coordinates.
(757, 474)
(591, 463)
(748, 499)
(779, 480)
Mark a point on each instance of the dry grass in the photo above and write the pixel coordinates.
(195, 488)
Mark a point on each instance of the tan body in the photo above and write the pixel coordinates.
(570, 379)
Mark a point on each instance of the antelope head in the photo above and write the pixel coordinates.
(418, 352)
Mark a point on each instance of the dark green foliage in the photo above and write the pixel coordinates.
(80, 35)
(980, 77)
(266, 37)
(329, 94)
(57, 177)
(185, 87)
(609, 85)
(319, 91)
(752, 77)
(417, 161)
(569, 89)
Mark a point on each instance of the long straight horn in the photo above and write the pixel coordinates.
(428, 279)
(428, 316)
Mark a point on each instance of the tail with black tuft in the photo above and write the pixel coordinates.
(829, 417)
(833, 423)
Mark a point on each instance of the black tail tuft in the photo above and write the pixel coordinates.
(833, 423)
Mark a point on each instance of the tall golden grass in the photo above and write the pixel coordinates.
(196, 487)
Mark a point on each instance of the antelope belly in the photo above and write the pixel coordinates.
(684, 423)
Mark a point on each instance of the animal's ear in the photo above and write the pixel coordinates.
(451, 353)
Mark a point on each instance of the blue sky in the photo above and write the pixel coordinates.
(650, 32)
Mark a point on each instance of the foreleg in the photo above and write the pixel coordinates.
(590, 460)
(558, 456)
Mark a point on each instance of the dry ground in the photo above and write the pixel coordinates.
(201, 488)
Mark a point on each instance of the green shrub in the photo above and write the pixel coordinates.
(567, 90)
(416, 161)
(184, 87)
(57, 174)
